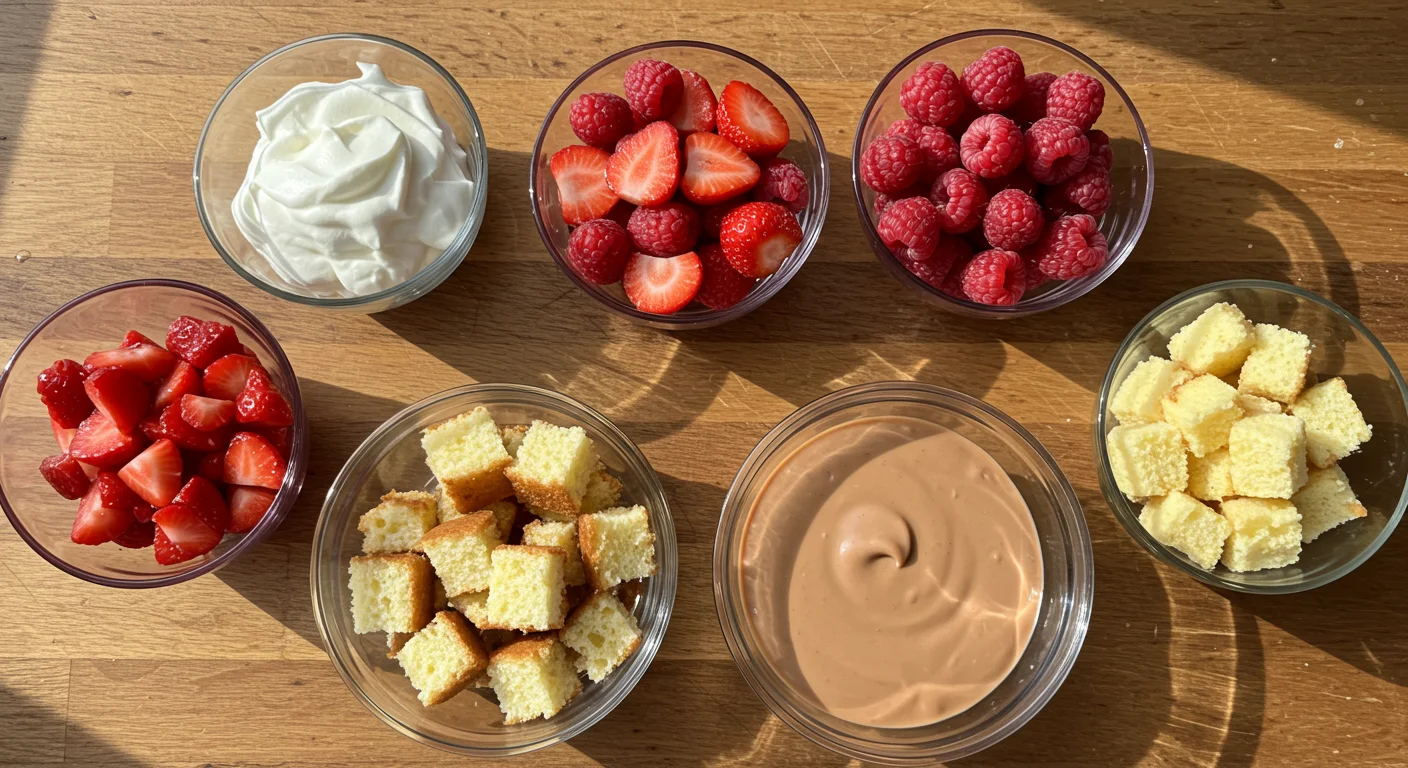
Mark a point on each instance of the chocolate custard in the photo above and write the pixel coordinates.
(891, 570)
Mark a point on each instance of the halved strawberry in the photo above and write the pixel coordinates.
(140, 536)
(99, 442)
(62, 435)
(225, 378)
(66, 475)
(142, 510)
(206, 413)
(662, 286)
(645, 168)
(746, 118)
(105, 512)
(251, 460)
(715, 170)
(182, 534)
(212, 467)
(695, 114)
(248, 506)
(200, 342)
(580, 172)
(169, 425)
(184, 379)
(60, 388)
(279, 437)
(202, 496)
(261, 404)
(119, 395)
(133, 338)
(147, 362)
(758, 237)
(155, 474)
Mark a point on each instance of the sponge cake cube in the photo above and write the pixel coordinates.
(1139, 399)
(1334, 427)
(527, 588)
(603, 491)
(398, 522)
(1210, 476)
(617, 545)
(1266, 533)
(603, 633)
(1277, 364)
(553, 467)
(1253, 405)
(563, 535)
(443, 658)
(1216, 342)
(1326, 501)
(1204, 410)
(467, 456)
(390, 592)
(460, 550)
(1268, 456)
(1147, 459)
(1187, 525)
(532, 678)
(474, 606)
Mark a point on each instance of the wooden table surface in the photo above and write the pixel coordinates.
(1279, 132)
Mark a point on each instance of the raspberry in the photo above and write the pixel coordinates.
(940, 149)
(958, 196)
(992, 146)
(783, 182)
(713, 219)
(1072, 247)
(1032, 106)
(598, 250)
(949, 259)
(995, 80)
(910, 228)
(995, 278)
(1018, 179)
(653, 89)
(1086, 192)
(1076, 98)
(953, 282)
(1056, 150)
(1100, 152)
(601, 119)
(932, 95)
(891, 163)
(664, 230)
(721, 286)
(1035, 279)
(1013, 220)
(883, 201)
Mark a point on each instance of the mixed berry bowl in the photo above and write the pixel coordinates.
(1001, 173)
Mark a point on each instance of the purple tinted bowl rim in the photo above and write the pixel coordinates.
(819, 188)
(293, 478)
(973, 309)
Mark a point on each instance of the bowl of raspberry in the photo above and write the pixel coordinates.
(681, 184)
(1001, 173)
(150, 431)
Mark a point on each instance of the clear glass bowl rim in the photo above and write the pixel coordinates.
(1069, 635)
(430, 275)
(1119, 506)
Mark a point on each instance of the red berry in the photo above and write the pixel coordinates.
(883, 201)
(1100, 152)
(910, 228)
(119, 395)
(248, 506)
(251, 460)
(995, 80)
(279, 437)
(1013, 220)
(1018, 179)
(147, 362)
(783, 182)
(100, 443)
(66, 475)
(953, 282)
(582, 189)
(1072, 247)
(225, 378)
(134, 338)
(891, 163)
(992, 146)
(140, 535)
(212, 467)
(758, 237)
(695, 113)
(995, 278)
(155, 474)
(601, 119)
(750, 121)
(621, 212)
(664, 230)
(206, 413)
(959, 196)
(936, 269)
(200, 342)
(1076, 98)
(170, 425)
(105, 512)
(261, 404)
(1086, 192)
(715, 170)
(713, 218)
(653, 88)
(940, 149)
(182, 533)
(204, 498)
(598, 249)
(60, 388)
(645, 168)
(932, 95)
(662, 286)
(1030, 256)
(1056, 150)
(721, 286)
(1032, 106)
(184, 379)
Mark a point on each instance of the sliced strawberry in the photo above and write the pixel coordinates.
(140, 536)
(202, 496)
(758, 237)
(746, 118)
(100, 443)
(248, 506)
(182, 534)
(200, 342)
(645, 168)
(695, 114)
(155, 474)
(119, 395)
(63, 435)
(105, 512)
(142, 510)
(147, 362)
(60, 388)
(580, 172)
(206, 413)
(184, 379)
(261, 404)
(225, 378)
(715, 170)
(169, 424)
(279, 437)
(212, 467)
(133, 338)
(66, 475)
(662, 286)
(251, 460)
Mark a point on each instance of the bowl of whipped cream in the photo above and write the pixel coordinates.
(345, 171)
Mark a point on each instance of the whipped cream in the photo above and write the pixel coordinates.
(353, 187)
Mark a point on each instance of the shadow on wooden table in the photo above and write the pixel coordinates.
(36, 733)
(21, 37)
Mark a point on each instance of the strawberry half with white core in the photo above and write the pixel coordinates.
(155, 474)
(252, 460)
(746, 118)
(715, 170)
(118, 395)
(695, 114)
(184, 379)
(226, 377)
(645, 169)
(206, 413)
(758, 237)
(580, 172)
(100, 443)
(248, 506)
(105, 512)
(182, 533)
(147, 362)
(662, 286)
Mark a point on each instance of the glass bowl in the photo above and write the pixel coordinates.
(1132, 176)
(471, 723)
(227, 142)
(1343, 347)
(1067, 568)
(719, 65)
(97, 320)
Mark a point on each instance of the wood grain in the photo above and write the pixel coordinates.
(1279, 131)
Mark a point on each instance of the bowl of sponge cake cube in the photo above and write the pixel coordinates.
(1254, 435)
(494, 569)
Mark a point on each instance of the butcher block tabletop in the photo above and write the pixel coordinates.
(1280, 135)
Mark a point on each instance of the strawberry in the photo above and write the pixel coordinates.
(139, 536)
(66, 475)
(182, 534)
(62, 435)
(99, 442)
(645, 169)
(715, 170)
(757, 237)
(200, 342)
(722, 286)
(147, 362)
(695, 114)
(260, 404)
(105, 512)
(251, 460)
(582, 190)
(206, 413)
(247, 507)
(155, 474)
(202, 496)
(662, 286)
(169, 425)
(279, 437)
(212, 467)
(746, 118)
(134, 338)
(225, 378)
(142, 510)
(119, 395)
(184, 379)
(60, 388)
